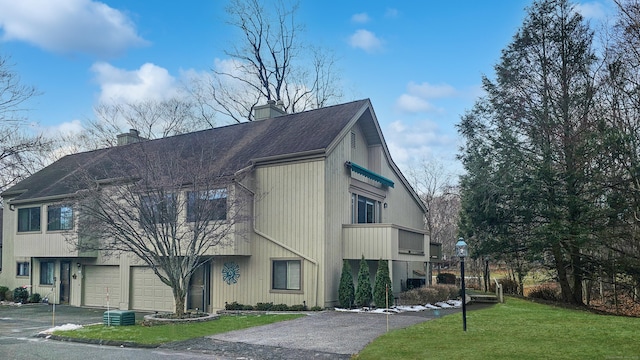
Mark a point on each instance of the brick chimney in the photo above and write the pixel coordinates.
(133, 136)
(270, 110)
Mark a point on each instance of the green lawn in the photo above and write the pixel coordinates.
(518, 329)
(155, 335)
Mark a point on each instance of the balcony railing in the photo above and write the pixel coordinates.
(384, 241)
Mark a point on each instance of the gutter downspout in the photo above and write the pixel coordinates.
(288, 248)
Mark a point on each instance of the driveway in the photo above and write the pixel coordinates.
(322, 335)
(327, 334)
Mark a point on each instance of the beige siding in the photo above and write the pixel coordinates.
(338, 212)
(8, 276)
(289, 203)
(41, 243)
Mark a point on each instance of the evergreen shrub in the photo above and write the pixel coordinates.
(363, 291)
(383, 284)
(346, 291)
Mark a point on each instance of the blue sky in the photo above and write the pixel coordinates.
(420, 62)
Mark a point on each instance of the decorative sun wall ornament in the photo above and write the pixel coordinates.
(230, 272)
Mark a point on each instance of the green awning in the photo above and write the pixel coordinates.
(369, 174)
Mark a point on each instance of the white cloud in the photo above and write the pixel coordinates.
(428, 91)
(69, 26)
(409, 142)
(391, 13)
(418, 96)
(72, 127)
(149, 82)
(413, 104)
(591, 10)
(360, 18)
(365, 40)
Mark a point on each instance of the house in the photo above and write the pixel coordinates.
(329, 191)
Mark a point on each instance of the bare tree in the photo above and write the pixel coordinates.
(440, 196)
(152, 118)
(168, 206)
(19, 150)
(270, 62)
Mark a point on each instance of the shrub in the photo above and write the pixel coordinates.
(383, 283)
(20, 295)
(509, 286)
(363, 291)
(299, 307)
(545, 292)
(428, 295)
(280, 307)
(316, 308)
(3, 293)
(34, 298)
(446, 278)
(8, 295)
(346, 291)
(264, 306)
(234, 306)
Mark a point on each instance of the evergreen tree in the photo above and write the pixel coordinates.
(383, 284)
(531, 154)
(346, 291)
(363, 292)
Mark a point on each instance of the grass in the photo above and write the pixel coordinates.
(156, 335)
(516, 329)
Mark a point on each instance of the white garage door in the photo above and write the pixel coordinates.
(101, 282)
(148, 292)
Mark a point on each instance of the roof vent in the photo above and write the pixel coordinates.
(133, 136)
(270, 110)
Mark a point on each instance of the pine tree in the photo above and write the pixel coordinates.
(346, 291)
(383, 283)
(363, 292)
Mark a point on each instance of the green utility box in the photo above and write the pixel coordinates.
(119, 317)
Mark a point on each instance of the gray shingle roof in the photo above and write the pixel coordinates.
(236, 146)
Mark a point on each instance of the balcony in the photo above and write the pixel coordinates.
(48, 244)
(384, 241)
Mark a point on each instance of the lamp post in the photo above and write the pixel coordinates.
(462, 252)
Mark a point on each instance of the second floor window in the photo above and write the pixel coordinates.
(158, 209)
(207, 205)
(59, 218)
(365, 210)
(29, 219)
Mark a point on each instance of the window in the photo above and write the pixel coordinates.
(286, 274)
(207, 205)
(353, 140)
(23, 269)
(158, 209)
(365, 210)
(59, 218)
(46, 273)
(29, 219)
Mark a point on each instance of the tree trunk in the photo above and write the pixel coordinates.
(179, 296)
(562, 273)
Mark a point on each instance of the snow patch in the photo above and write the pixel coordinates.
(64, 327)
(450, 304)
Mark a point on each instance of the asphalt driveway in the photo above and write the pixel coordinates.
(326, 334)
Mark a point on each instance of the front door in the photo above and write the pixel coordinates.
(65, 281)
(198, 298)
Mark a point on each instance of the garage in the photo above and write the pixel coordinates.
(148, 292)
(101, 283)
